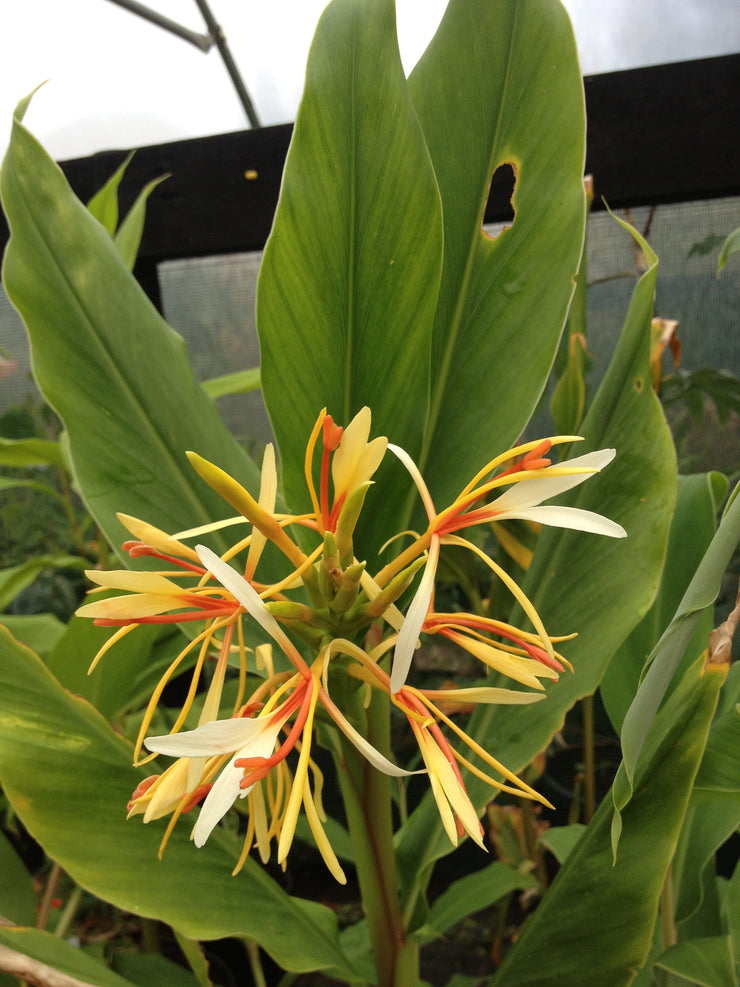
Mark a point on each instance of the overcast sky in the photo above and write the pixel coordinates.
(117, 81)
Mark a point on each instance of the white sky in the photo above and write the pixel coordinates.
(117, 81)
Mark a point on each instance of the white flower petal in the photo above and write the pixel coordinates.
(240, 589)
(571, 517)
(215, 737)
(226, 788)
(369, 752)
(530, 493)
(415, 617)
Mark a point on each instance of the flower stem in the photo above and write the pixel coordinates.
(367, 800)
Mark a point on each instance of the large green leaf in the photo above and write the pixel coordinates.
(575, 578)
(349, 278)
(69, 776)
(596, 921)
(499, 83)
(117, 375)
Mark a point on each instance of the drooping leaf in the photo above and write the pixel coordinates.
(692, 528)
(116, 374)
(68, 776)
(349, 278)
(599, 917)
(666, 656)
(499, 84)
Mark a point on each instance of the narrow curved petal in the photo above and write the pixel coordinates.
(415, 617)
(570, 517)
(363, 746)
(240, 589)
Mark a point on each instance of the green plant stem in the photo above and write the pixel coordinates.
(589, 768)
(667, 924)
(255, 964)
(367, 800)
(52, 883)
(65, 919)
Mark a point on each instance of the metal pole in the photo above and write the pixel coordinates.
(203, 41)
(214, 29)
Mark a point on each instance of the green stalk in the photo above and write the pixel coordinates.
(589, 767)
(366, 793)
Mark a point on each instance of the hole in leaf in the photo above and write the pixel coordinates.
(499, 208)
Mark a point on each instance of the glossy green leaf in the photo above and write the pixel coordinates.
(104, 204)
(692, 529)
(499, 84)
(575, 578)
(55, 954)
(599, 917)
(30, 452)
(68, 777)
(349, 279)
(666, 656)
(17, 898)
(116, 374)
(701, 962)
(473, 893)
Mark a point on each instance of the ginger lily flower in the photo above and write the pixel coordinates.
(530, 482)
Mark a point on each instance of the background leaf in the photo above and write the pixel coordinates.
(499, 83)
(75, 807)
(692, 528)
